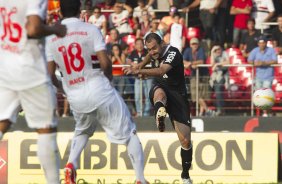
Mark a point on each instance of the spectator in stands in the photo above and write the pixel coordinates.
(145, 25)
(177, 33)
(86, 11)
(193, 56)
(222, 23)
(179, 4)
(219, 79)
(262, 57)
(208, 10)
(137, 12)
(86, 3)
(241, 9)
(106, 5)
(262, 12)
(114, 39)
(142, 83)
(155, 27)
(118, 58)
(249, 39)
(277, 35)
(166, 21)
(84, 15)
(119, 18)
(98, 20)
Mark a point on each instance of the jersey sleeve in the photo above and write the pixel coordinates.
(37, 7)
(171, 57)
(99, 42)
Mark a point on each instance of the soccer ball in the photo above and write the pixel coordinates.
(264, 98)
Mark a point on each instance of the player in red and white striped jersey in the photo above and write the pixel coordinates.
(24, 80)
(86, 73)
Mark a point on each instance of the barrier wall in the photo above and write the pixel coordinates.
(218, 158)
(215, 124)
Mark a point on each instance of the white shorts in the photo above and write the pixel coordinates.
(113, 116)
(38, 103)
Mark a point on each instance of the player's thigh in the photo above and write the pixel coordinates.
(10, 104)
(116, 120)
(178, 107)
(85, 123)
(39, 104)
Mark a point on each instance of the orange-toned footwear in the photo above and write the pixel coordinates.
(70, 174)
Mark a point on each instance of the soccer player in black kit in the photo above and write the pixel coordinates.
(168, 94)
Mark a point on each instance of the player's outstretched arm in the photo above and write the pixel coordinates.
(105, 63)
(134, 68)
(36, 28)
(145, 61)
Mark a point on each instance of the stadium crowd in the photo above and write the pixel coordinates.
(219, 32)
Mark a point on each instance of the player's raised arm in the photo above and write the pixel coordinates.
(105, 63)
(35, 25)
(36, 28)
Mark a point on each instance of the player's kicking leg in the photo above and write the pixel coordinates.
(79, 141)
(159, 99)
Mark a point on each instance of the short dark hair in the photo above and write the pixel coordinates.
(251, 20)
(97, 8)
(153, 36)
(176, 14)
(70, 8)
(139, 39)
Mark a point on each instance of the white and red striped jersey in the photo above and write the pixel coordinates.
(22, 63)
(260, 11)
(83, 81)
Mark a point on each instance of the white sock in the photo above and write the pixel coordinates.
(49, 157)
(135, 152)
(77, 145)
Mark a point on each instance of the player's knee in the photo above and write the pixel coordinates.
(185, 143)
(85, 131)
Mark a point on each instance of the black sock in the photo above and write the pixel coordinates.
(186, 157)
(158, 105)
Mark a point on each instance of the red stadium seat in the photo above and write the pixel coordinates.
(130, 40)
(233, 51)
(193, 32)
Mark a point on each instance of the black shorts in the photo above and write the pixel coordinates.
(177, 105)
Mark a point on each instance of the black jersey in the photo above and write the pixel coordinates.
(174, 78)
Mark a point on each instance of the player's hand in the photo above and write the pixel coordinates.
(61, 30)
(186, 10)
(132, 69)
(127, 70)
